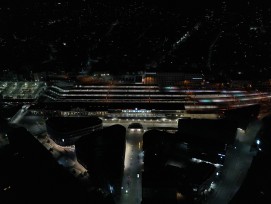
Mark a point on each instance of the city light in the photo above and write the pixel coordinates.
(181, 92)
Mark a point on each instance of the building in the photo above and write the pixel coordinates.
(66, 130)
(140, 100)
(176, 78)
(171, 174)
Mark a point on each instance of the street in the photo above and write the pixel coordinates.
(237, 162)
(236, 165)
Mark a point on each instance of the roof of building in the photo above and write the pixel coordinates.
(221, 131)
(71, 124)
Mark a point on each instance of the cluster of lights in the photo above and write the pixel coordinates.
(136, 130)
(136, 111)
(199, 161)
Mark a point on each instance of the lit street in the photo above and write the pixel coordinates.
(84, 83)
(238, 158)
(131, 183)
(236, 165)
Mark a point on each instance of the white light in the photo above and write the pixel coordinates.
(241, 130)
(212, 185)
(62, 140)
(111, 188)
(137, 175)
(128, 153)
(126, 191)
(258, 142)
(217, 173)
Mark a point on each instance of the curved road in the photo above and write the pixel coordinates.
(237, 163)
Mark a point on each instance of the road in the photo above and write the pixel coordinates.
(237, 162)
(131, 182)
(65, 156)
(34, 124)
(236, 165)
(19, 115)
(133, 156)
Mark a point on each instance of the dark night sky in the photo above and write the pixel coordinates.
(137, 35)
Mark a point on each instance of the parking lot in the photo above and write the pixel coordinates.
(21, 90)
